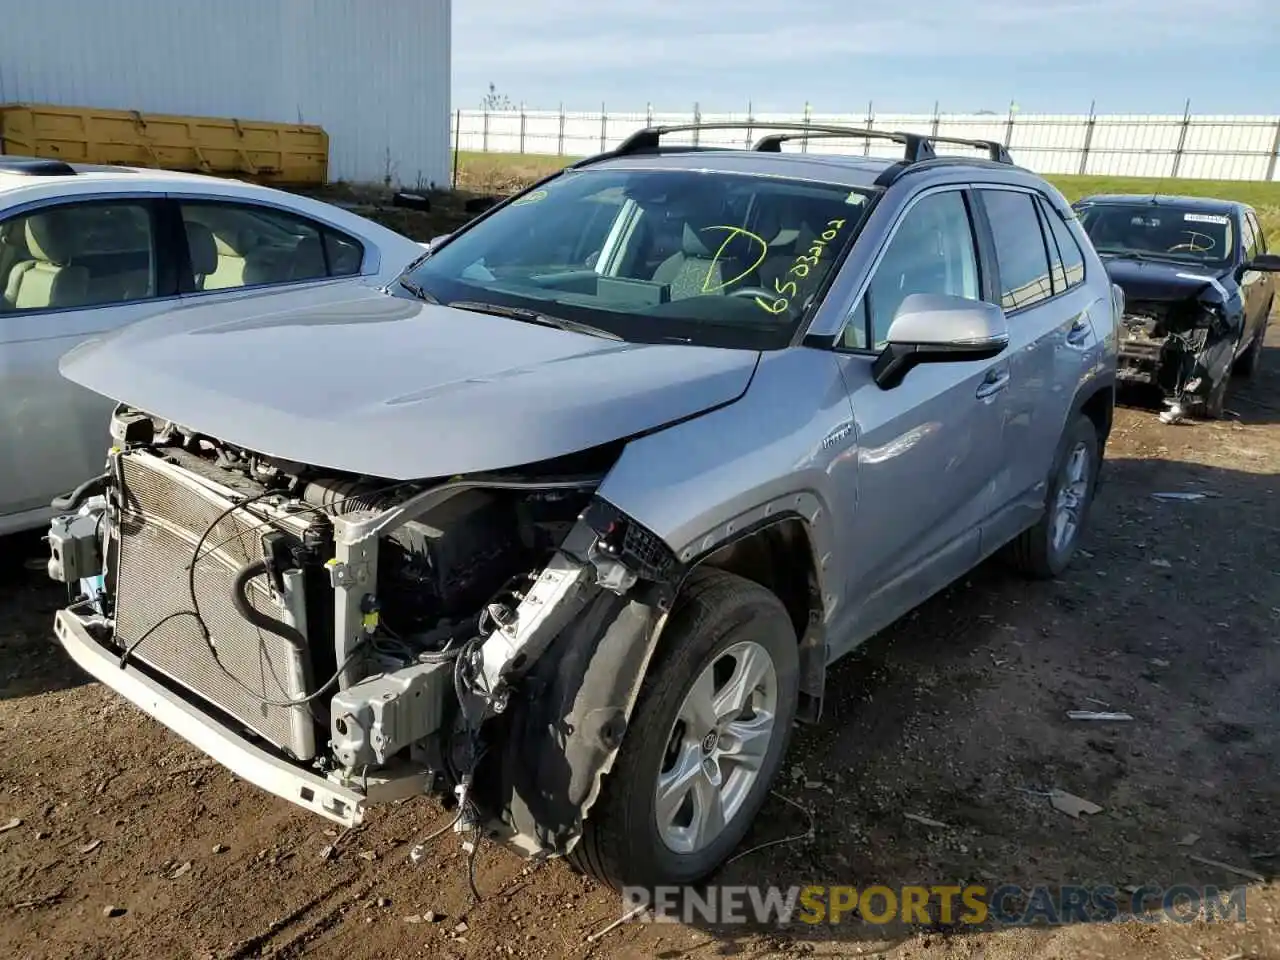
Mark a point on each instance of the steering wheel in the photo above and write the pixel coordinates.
(769, 295)
(1191, 246)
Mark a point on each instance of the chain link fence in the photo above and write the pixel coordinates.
(1203, 147)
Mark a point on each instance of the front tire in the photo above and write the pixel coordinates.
(1045, 550)
(1248, 364)
(710, 730)
(1214, 406)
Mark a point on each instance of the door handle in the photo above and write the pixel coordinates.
(992, 383)
(1079, 332)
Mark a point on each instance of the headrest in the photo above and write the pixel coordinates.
(202, 247)
(50, 237)
(805, 236)
(692, 244)
(711, 241)
(233, 241)
(769, 224)
(308, 258)
(227, 243)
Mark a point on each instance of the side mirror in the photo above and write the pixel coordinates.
(1118, 300)
(938, 328)
(410, 201)
(436, 241)
(480, 204)
(1266, 262)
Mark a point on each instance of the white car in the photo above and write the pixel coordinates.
(86, 249)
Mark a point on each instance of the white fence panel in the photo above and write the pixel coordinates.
(1159, 146)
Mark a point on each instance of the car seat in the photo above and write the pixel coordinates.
(48, 279)
(203, 251)
(230, 270)
(696, 270)
(307, 262)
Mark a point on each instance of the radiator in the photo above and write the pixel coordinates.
(165, 511)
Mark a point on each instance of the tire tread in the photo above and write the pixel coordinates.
(1248, 364)
(709, 596)
(1028, 553)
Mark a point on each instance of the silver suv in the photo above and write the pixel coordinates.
(567, 524)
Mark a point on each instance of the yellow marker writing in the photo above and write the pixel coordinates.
(529, 198)
(799, 268)
(760, 243)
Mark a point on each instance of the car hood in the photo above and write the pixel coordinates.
(361, 381)
(1164, 282)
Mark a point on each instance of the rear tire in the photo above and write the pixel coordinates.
(1045, 550)
(721, 625)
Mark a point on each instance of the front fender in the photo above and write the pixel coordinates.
(788, 446)
(567, 725)
(786, 449)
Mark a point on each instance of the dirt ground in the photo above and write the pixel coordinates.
(446, 210)
(958, 714)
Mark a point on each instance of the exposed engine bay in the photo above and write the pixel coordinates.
(379, 638)
(1183, 347)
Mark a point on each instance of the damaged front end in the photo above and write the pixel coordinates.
(1182, 347)
(343, 641)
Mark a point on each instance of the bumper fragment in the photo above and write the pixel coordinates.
(308, 790)
(1140, 360)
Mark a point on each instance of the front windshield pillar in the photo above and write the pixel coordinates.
(610, 261)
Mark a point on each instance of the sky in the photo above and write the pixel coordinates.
(1048, 56)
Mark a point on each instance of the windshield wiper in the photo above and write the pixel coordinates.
(1151, 257)
(527, 315)
(416, 290)
(1126, 254)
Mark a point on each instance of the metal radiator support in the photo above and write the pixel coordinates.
(164, 512)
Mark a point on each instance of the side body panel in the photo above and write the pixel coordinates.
(1054, 345)
(943, 472)
(1257, 288)
(54, 431)
(787, 447)
(929, 452)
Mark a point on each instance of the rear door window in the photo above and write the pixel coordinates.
(1064, 252)
(246, 245)
(344, 252)
(1020, 248)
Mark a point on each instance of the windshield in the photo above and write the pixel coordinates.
(656, 256)
(1162, 231)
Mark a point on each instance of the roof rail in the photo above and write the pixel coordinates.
(35, 166)
(917, 146)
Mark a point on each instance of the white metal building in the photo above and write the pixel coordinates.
(373, 73)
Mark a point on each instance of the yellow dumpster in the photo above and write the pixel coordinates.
(277, 153)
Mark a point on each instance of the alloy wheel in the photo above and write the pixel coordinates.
(717, 746)
(1073, 493)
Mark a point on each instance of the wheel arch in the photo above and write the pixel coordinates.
(1098, 404)
(780, 556)
(561, 737)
